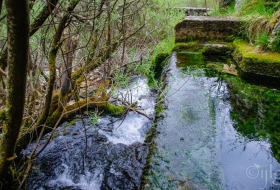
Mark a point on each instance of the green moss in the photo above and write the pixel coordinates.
(256, 111)
(70, 123)
(158, 63)
(159, 109)
(2, 114)
(54, 104)
(187, 46)
(114, 110)
(250, 52)
(188, 58)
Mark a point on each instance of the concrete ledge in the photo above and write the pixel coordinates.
(204, 28)
(257, 67)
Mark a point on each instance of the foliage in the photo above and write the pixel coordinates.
(94, 118)
(259, 18)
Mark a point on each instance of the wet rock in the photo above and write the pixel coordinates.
(125, 173)
(107, 155)
(120, 165)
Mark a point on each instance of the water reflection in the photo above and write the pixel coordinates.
(198, 146)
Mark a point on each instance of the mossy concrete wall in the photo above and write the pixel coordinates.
(202, 28)
(255, 66)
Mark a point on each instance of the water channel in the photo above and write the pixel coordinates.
(197, 146)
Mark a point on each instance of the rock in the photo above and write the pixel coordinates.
(232, 68)
(226, 67)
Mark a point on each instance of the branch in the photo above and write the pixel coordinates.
(3, 72)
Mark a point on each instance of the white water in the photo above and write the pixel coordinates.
(72, 161)
(134, 127)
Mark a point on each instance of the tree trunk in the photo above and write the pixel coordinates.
(52, 61)
(68, 51)
(35, 26)
(18, 35)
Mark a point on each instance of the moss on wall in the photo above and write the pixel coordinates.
(255, 66)
(257, 111)
(158, 63)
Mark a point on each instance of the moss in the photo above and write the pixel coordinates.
(187, 46)
(250, 52)
(70, 123)
(207, 49)
(256, 111)
(159, 109)
(76, 77)
(158, 63)
(52, 120)
(2, 114)
(257, 67)
(54, 104)
(114, 110)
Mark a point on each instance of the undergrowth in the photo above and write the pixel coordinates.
(260, 18)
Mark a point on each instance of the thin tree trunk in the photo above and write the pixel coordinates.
(52, 61)
(1, 3)
(18, 35)
(66, 79)
(35, 26)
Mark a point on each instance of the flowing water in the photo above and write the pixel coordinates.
(197, 145)
(108, 155)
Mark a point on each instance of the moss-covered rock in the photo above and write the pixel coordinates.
(255, 66)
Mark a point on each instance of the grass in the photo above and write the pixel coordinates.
(259, 19)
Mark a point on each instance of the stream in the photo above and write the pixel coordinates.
(197, 146)
(106, 155)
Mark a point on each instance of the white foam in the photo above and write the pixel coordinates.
(128, 131)
(88, 181)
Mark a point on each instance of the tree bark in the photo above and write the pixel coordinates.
(68, 50)
(18, 44)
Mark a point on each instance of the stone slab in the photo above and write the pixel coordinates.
(205, 28)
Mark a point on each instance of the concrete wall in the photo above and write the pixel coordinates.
(201, 28)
